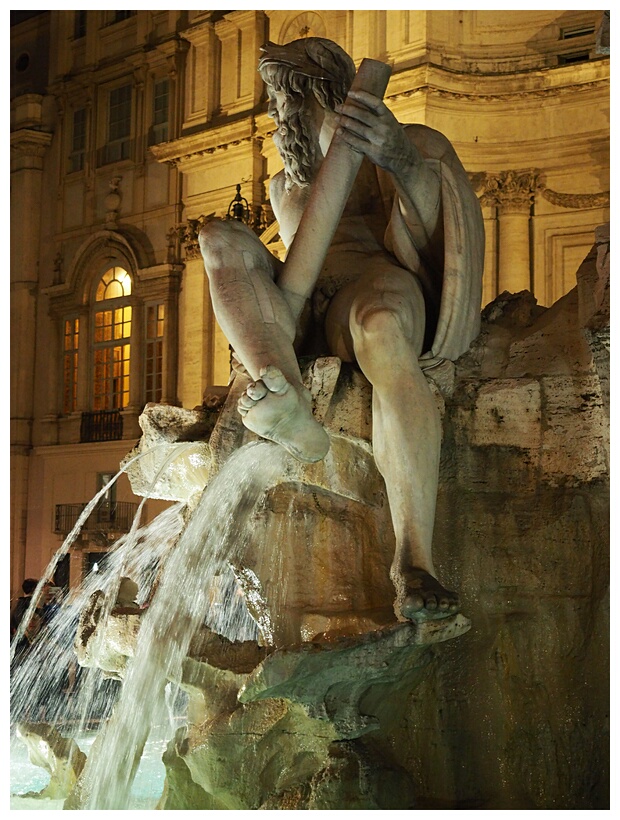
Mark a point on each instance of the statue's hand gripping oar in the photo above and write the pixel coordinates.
(330, 191)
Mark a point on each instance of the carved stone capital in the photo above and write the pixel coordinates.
(29, 143)
(515, 189)
(188, 235)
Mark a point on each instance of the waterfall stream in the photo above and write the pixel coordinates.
(214, 536)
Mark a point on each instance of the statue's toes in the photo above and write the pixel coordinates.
(414, 603)
(444, 603)
(256, 390)
(245, 403)
(431, 603)
(273, 379)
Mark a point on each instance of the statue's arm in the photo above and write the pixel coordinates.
(369, 126)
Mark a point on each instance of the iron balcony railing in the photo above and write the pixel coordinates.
(101, 425)
(115, 517)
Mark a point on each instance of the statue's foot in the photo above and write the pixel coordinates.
(273, 409)
(424, 598)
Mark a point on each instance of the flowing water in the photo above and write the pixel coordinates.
(185, 574)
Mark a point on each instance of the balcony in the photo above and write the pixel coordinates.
(101, 425)
(105, 518)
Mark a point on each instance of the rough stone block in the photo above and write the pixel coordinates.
(508, 413)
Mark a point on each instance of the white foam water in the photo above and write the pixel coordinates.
(198, 568)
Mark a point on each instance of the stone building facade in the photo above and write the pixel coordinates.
(129, 128)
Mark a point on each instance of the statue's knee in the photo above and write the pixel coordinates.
(378, 320)
(218, 239)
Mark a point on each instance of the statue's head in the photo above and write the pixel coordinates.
(312, 65)
(307, 73)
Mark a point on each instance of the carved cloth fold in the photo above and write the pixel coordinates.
(459, 285)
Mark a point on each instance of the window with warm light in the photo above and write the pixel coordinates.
(111, 341)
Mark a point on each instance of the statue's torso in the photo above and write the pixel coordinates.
(362, 225)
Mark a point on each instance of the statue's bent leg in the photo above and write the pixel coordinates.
(386, 326)
(257, 321)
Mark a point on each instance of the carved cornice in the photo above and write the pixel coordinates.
(509, 96)
(518, 188)
(478, 85)
(188, 149)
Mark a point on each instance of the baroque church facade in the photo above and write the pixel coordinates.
(129, 128)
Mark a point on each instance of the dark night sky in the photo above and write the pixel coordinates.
(20, 16)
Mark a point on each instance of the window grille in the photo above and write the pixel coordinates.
(118, 146)
(161, 95)
(154, 352)
(70, 365)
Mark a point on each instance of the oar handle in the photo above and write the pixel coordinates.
(330, 191)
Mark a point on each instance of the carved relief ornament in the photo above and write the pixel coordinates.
(518, 188)
(507, 187)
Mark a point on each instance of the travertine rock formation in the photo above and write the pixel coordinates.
(515, 715)
(59, 756)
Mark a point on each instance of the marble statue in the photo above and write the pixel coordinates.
(391, 277)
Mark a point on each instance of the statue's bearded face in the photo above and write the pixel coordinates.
(296, 137)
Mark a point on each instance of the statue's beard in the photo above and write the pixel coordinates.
(297, 143)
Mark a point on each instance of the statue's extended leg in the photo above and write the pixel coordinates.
(386, 322)
(258, 323)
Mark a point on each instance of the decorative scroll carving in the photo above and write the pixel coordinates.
(576, 200)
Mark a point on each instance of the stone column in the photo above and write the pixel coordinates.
(28, 147)
(512, 193)
(195, 325)
(489, 282)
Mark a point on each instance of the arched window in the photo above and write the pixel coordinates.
(112, 341)
(117, 338)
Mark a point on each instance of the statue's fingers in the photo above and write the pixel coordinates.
(372, 102)
(353, 139)
(356, 113)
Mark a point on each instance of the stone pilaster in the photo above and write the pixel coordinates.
(28, 148)
(512, 193)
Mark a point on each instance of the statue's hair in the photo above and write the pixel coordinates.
(309, 65)
(302, 69)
